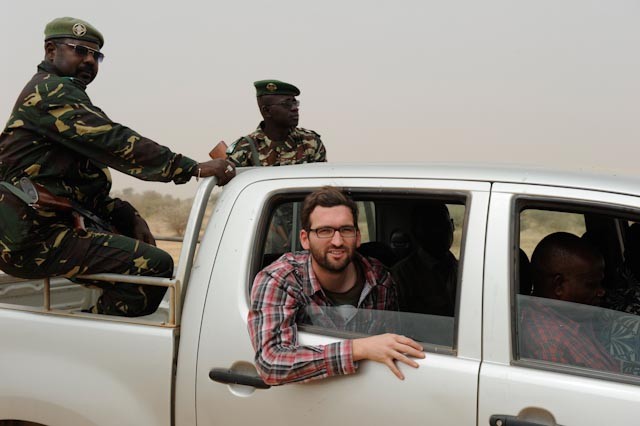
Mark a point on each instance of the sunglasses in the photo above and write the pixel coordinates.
(84, 51)
(289, 103)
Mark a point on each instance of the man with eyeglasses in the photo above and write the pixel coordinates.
(329, 273)
(60, 140)
(277, 141)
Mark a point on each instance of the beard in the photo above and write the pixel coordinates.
(324, 259)
(86, 74)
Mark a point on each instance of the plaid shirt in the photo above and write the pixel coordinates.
(281, 296)
(547, 335)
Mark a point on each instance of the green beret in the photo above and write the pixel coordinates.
(275, 87)
(72, 28)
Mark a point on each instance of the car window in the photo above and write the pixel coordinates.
(418, 239)
(578, 335)
(535, 224)
(577, 292)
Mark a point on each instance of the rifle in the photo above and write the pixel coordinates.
(219, 151)
(40, 197)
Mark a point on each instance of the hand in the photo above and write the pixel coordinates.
(387, 349)
(220, 168)
(141, 231)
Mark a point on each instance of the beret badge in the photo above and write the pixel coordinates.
(271, 87)
(79, 30)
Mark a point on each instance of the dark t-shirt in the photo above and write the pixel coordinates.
(349, 297)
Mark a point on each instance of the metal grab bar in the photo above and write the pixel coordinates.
(171, 283)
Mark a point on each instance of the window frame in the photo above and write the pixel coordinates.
(565, 205)
(368, 194)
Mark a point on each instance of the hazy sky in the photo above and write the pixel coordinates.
(545, 82)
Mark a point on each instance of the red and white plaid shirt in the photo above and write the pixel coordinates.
(548, 335)
(281, 296)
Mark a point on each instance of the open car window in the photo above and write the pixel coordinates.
(418, 239)
(556, 331)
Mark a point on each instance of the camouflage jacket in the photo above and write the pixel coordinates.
(301, 146)
(58, 138)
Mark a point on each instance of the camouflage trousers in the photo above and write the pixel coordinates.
(56, 249)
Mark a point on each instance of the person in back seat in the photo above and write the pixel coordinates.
(400, 244)
(566, 268)
(427, 278)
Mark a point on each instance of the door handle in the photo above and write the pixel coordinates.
(226, 376)
(504, 420)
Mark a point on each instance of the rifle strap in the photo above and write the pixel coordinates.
(254, 151)
(17, 192)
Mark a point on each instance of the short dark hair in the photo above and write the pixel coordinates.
(327, 196)
(553, 256)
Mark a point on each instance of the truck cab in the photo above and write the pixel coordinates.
(193, 363)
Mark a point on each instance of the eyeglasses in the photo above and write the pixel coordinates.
(329, 231)
(84, 51)
(289, 103)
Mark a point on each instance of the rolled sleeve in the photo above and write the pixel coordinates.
(338, 358)
(276, 299)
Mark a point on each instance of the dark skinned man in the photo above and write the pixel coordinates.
(567, 269)
(59, 139)
(277, 141)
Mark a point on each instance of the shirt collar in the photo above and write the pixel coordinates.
(311, 285)
(262, 136)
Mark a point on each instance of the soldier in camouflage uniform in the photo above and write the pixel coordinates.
(278, 142)
(57, 138)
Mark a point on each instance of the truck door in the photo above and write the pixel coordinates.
(443, 390)
(558, 373)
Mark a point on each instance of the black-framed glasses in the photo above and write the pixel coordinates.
(289, 103)
(329, 231)
(84, 51)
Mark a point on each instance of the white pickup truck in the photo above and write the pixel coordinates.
(191, 363)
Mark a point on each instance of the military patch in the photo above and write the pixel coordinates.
(271, 87)
(79, 30)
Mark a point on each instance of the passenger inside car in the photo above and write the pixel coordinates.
(567, 269)
(427, 278)
(400, 243)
